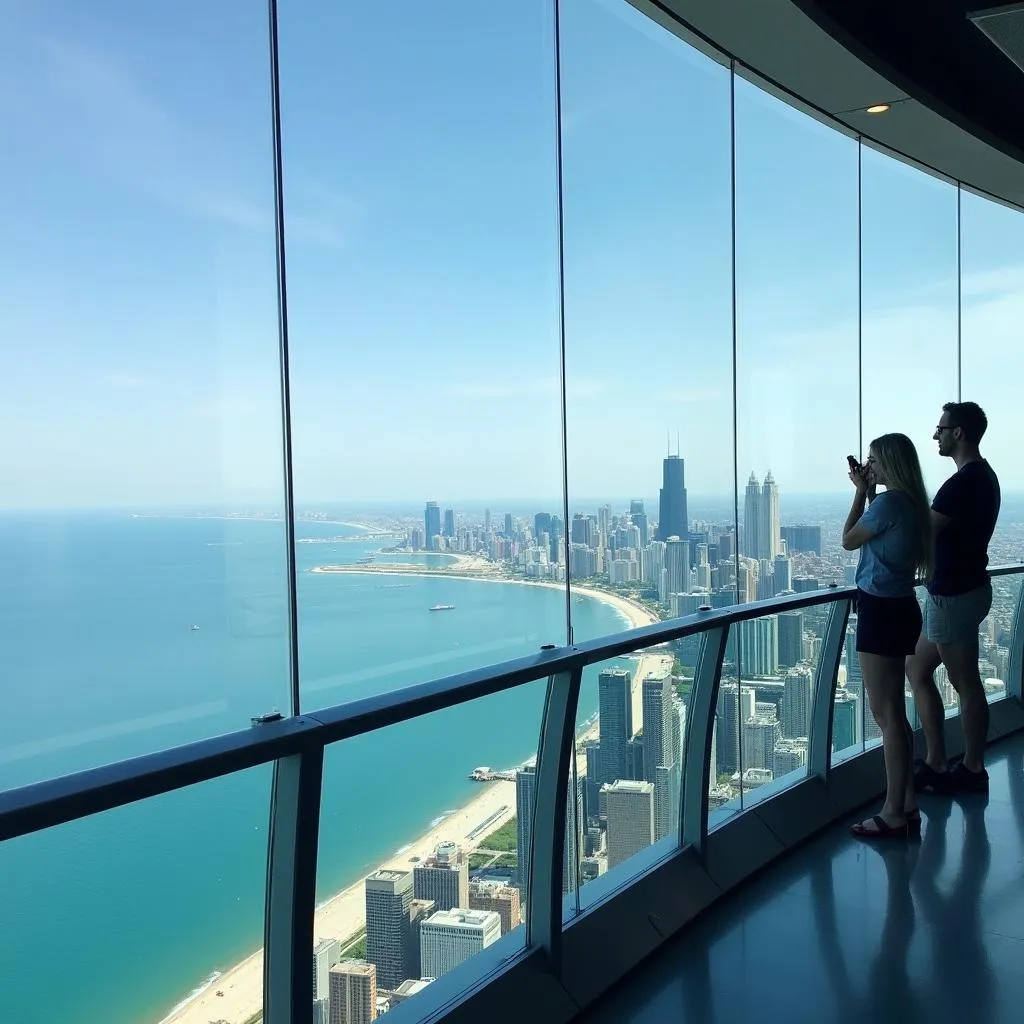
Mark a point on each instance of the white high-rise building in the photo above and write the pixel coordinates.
(326, 954)
(450, 937)
(630, 809)
(769, 530)
(752, 519)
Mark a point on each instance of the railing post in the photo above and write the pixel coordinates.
(700, 725)
(556, 749)
(819, 756)
(1015, 663)
(291, 887)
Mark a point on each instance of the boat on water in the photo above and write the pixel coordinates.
(193, 627)
(442, 608)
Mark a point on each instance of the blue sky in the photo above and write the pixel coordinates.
(138, 311)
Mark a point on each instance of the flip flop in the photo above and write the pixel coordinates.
(882, 830)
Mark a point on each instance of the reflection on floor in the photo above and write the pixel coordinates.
(846, 931)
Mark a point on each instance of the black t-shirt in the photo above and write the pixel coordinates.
(970, 498)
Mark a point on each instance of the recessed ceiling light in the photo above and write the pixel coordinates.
(877, 108)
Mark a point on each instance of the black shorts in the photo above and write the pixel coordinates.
(889, 626)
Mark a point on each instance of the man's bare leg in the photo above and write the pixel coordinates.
(921, 666)
(961, 661)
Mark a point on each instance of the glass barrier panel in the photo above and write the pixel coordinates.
(141, 526)
(625, 796)
(797, 304)
(156, 909)
(726, 737)
(992, 309)
(424, 837)
(909, 302)
(648, 321)
(995, 635)
(780, 657)
(422, 240)
(849, 717)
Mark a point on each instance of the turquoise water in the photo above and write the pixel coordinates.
(99, 662)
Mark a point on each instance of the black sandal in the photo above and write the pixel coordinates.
(882, 829)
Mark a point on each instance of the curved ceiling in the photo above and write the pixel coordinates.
(957, 101)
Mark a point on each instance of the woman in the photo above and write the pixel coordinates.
(894, 538)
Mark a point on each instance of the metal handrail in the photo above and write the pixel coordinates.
(296, 747)
(42, 805)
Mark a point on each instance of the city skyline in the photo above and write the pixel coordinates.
(175, 397)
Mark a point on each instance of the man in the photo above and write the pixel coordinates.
(959, 597)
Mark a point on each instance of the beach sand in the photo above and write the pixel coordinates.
(343, 916)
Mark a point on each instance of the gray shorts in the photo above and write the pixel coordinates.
(957, 619)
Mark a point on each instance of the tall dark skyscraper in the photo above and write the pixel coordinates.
(638, 517)
(615, 722)
(542, 524)
(432, 524)
(449, 522)
(526, 794)
(672, 518)
(388, 925)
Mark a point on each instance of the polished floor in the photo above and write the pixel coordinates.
(843, 931)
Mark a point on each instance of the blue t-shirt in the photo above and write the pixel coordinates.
(888, 561)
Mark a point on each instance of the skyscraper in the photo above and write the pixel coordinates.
(735, 705)
(443, 878)
(760, 734)
(432, 524)
(796, 702)
(388, 925)
(845, 720)
(783, 566)
(502, 899)
(630, 807)
(672, 516)
(450, 937)
(661, 744)
(677, 566)
(541, 524)
(353, 992)
(768, 531)
(759, 646)
(448, 530)
(791, 638)
(526, 790)
(639, 519)
(752, 519)
(326, 954)
(615, 722)
(802, 538)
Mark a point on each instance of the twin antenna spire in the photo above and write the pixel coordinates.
(668, 444)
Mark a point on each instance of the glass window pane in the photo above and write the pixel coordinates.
(144, 558)
(155, 910)
(419, 167)
(909, 282)
(992, 310)
(648, 318)
(440, 877)
(797, 391)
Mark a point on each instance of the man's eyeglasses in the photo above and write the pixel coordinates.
(946, 426)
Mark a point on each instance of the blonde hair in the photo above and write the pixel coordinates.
(897, 458)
